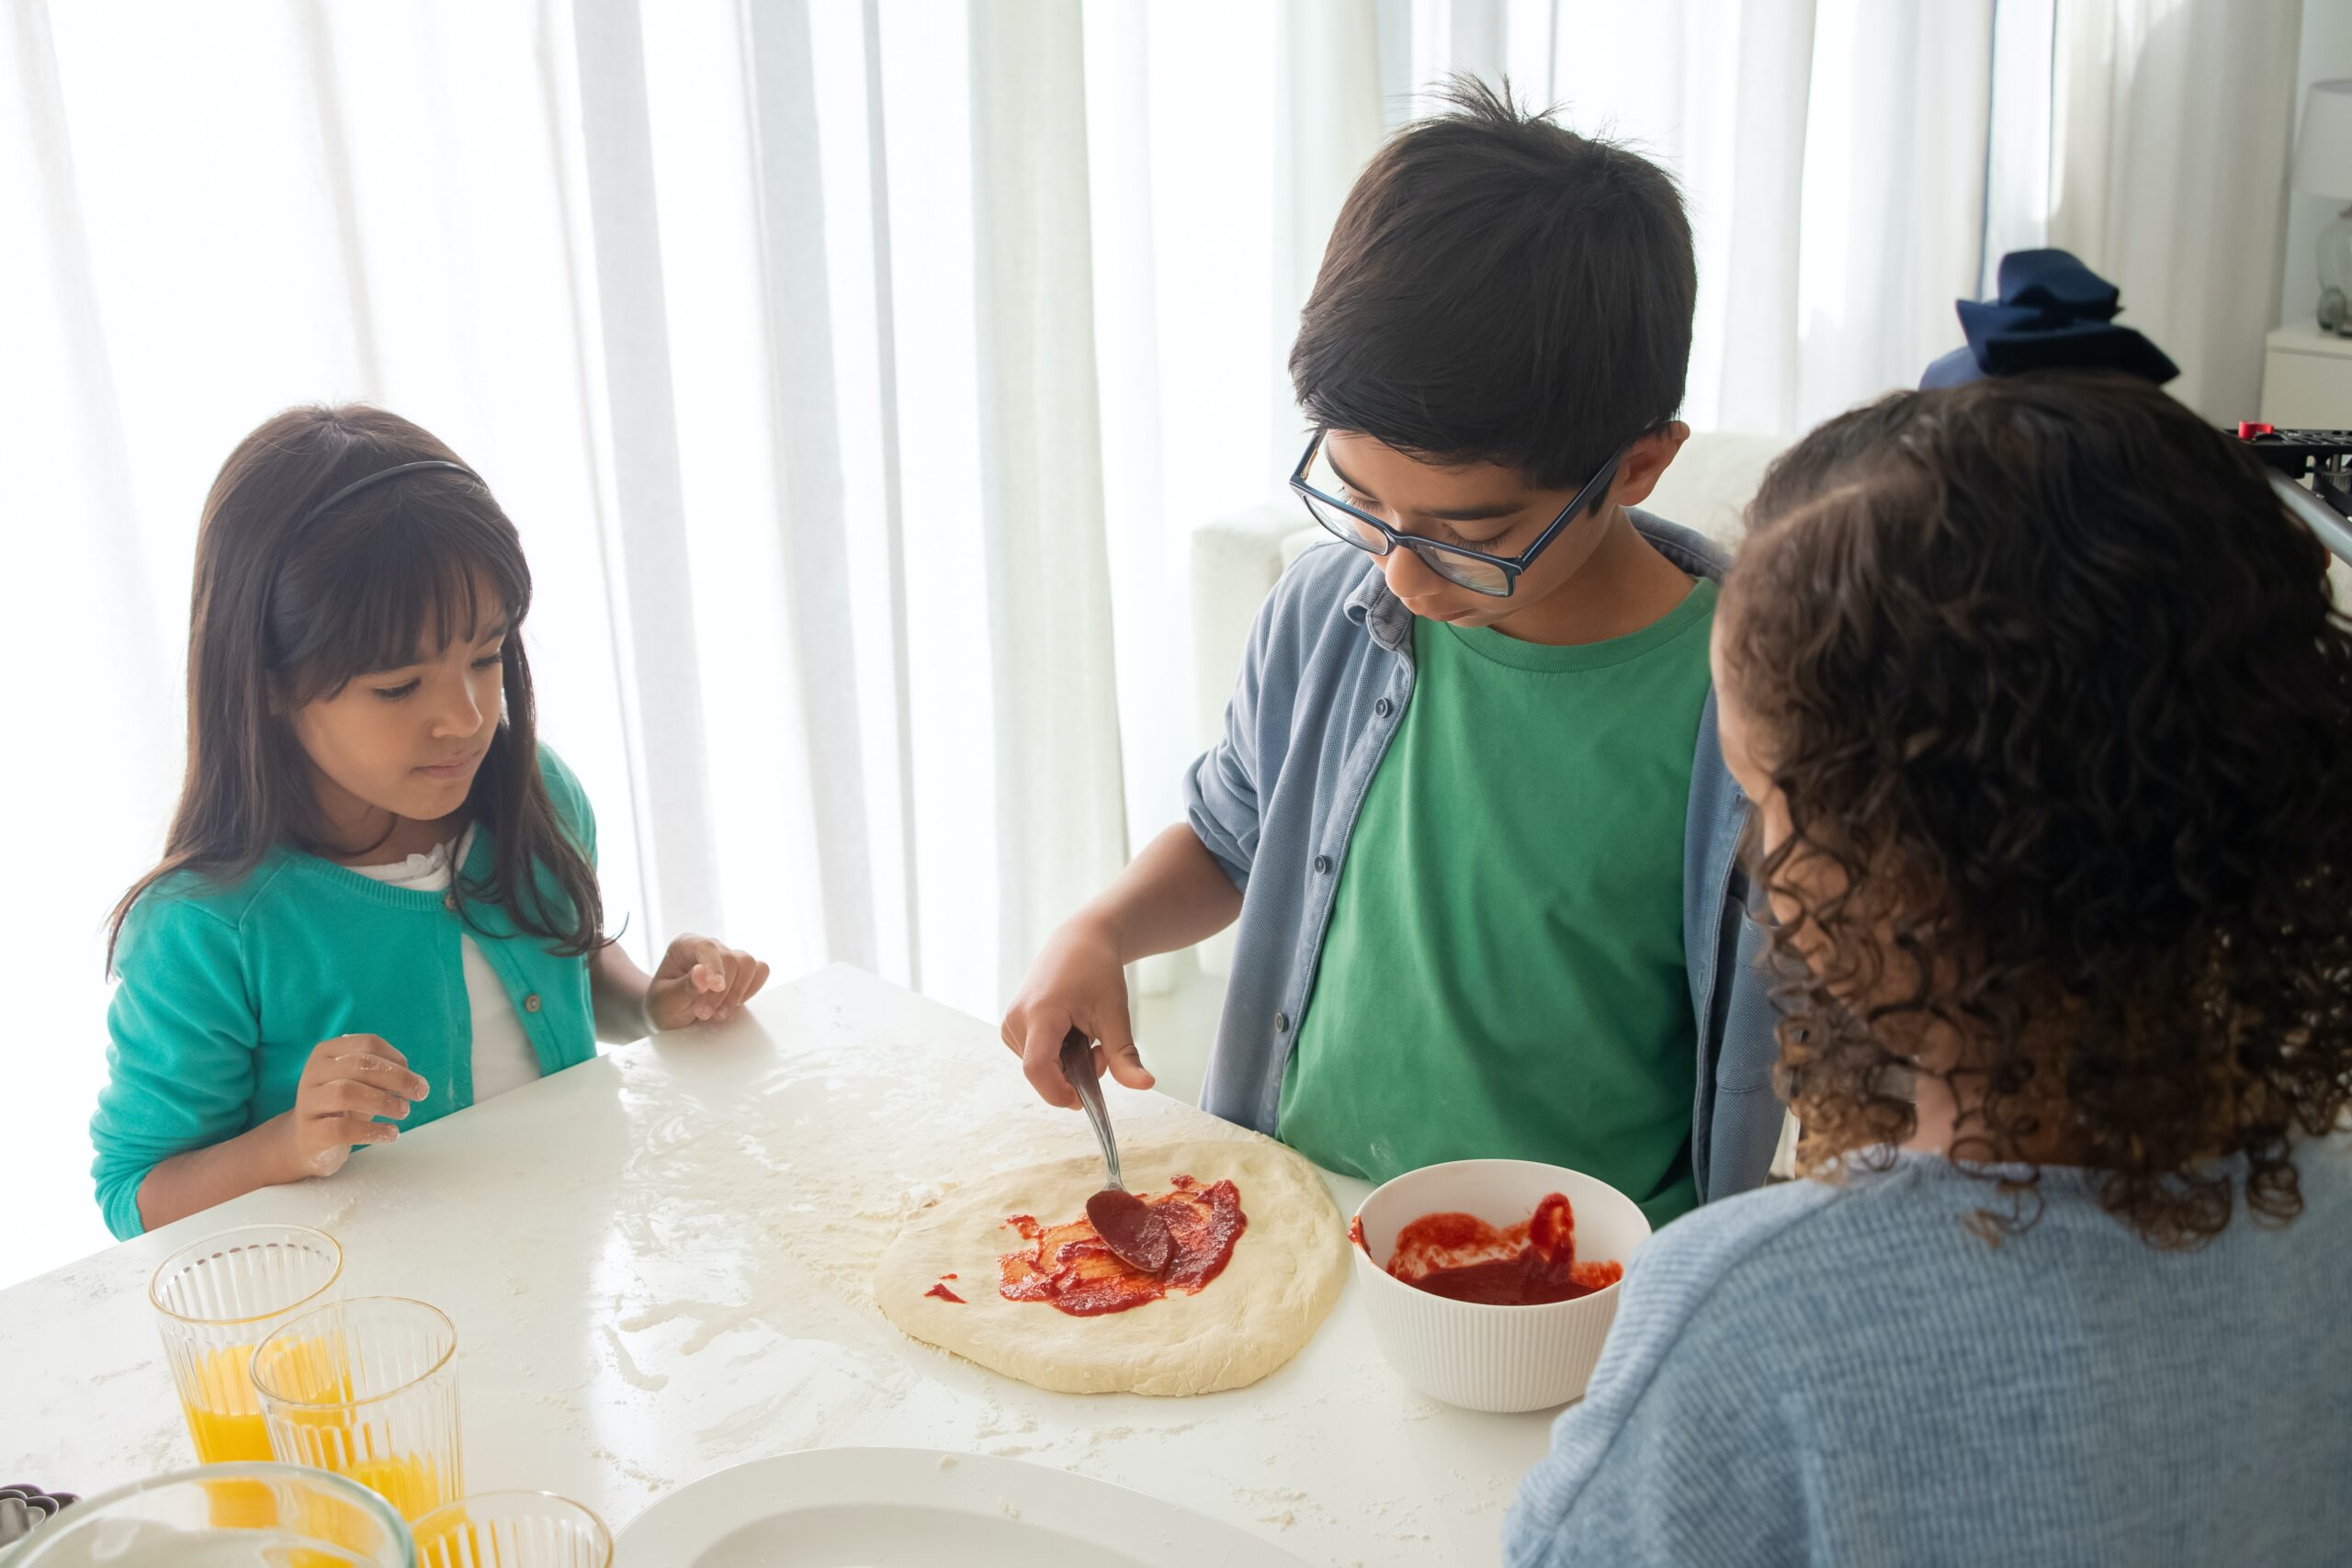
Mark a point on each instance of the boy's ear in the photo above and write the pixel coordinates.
(1647, 461)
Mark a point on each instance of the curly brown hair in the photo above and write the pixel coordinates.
(2061, 714)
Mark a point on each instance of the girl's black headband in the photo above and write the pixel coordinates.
(355, 486)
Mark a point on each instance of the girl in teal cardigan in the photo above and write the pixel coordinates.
(377, 899)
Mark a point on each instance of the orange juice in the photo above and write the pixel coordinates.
(224, 1439)
(223, 1415)
(414, 1486)
(337, 1538)
(453, 1538)
(365, 1390)
(414, 1483)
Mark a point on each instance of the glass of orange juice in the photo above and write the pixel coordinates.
(367, 1388)
(219, 1299)
(512, 1530)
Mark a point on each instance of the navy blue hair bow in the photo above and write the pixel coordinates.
(2053, 313)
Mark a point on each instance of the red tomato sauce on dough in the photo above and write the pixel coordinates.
(1068, 1266)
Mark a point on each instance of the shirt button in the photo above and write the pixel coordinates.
(1383, 707)
(531, 1003)
(451, 903)
(1282, 1024)
(1323, 863)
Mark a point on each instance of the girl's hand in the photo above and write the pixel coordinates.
(347, 1083)
(701, 982)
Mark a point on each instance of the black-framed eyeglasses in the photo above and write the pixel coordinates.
(1480, 573)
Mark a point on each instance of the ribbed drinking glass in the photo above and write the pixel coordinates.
(368, 1388)
(217, 1300)
(513, 1530)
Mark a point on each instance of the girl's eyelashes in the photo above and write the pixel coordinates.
(488, 661)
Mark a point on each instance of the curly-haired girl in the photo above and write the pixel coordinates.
(2049, 724)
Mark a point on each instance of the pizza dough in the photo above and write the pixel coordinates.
(1285, 1273)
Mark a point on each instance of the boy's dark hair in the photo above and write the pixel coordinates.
(1501, 290)
(2054, 691)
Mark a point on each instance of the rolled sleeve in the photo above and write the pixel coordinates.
(1221, 792)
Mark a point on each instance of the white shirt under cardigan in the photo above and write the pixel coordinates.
(504, 1059)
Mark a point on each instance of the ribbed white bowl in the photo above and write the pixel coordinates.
(1493, 1357)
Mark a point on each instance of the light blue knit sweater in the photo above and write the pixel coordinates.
(1848, 1375)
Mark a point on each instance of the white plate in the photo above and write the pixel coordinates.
(917, 1508)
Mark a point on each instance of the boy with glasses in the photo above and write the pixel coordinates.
(1469, 806)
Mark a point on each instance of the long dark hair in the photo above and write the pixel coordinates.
(285, 612)
(2063, 716)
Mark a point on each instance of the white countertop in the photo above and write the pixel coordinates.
(657, 1266)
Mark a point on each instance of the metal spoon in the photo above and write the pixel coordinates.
(1137, 1233)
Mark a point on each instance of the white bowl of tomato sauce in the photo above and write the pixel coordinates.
(1492, 1283)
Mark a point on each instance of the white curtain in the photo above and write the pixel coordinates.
(857, 369)
(2173, 122)
(1853, 167)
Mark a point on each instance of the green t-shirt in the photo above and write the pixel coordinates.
(1503, 976)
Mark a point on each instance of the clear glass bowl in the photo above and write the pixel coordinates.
(226, 1516)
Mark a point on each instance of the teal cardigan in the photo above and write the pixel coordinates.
(225, 991)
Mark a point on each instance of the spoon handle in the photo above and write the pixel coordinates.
(1077, 1067)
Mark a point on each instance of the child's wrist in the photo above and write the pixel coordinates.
(1099, 927)
(281, 1160)
(645, 1015)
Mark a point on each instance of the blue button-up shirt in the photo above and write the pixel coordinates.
(1323, 690)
